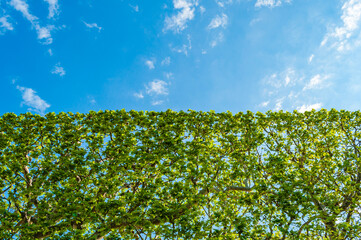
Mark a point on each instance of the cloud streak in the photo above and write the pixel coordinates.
(92, 25)
(44, 33)
(316, 82)
(53, 8)
(32, 100)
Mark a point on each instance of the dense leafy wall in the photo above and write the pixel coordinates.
(180, 175)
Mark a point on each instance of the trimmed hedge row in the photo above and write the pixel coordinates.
(180, 175)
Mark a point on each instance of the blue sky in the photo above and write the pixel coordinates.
(220, 55)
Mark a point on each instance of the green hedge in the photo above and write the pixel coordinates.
(180, 175)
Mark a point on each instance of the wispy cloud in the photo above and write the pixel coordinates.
(150, 64)
(339, 37)
(223, 3)
(23, 7)
(44, 33)
(279, 103)
(168, 75)
(218, 39)
(139, 95)
(283, 79)
(58, 70)
(165, 61)
(311, 58)
(92, 25)
(254, 21)
(202, 9)
(185, 47)
(287, 90)
(316, 82)
(157, 87)
(270, 3)
(32, 100)
(92, 100)
(264, 104)
(178, 22)
(218, 21)
(305, 108)
(53, 8)
(5, 25)
(135, 8)
(157, 102)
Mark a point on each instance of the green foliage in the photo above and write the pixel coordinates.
(180, 175)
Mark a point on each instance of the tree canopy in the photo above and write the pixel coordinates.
(180, 175)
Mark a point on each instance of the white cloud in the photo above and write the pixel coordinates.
(264, 104)
(202, 9)
(91, 100)
(279, 103)
(5, 25)
(50, 52)
(270, 3)
(53, 8)
(218, 21)
(159, 102)
(166, 61)
(293, 95)
(316, 81)
(254, 21)
(139, 95)
(168, 75)
(287, 80)
(311, 58)
(150, 64)
(287, 89)
(305, 108)
(178, 22)
(223, 3)
(92, 25)
(58, 70)
(157, 87)
(351, 15)
(43, 32)
(217, 40)
(31, 99)
(135, 8)
(283, 79)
